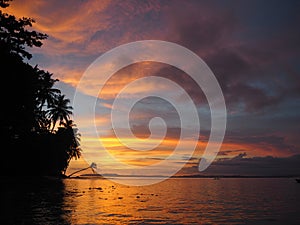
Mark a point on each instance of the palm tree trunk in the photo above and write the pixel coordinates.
(79, 171)
(53, 127)
(65, 170)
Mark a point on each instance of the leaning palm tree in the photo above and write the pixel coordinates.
(60, 110)
(93, 166)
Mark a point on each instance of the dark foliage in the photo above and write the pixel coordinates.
(31, 107)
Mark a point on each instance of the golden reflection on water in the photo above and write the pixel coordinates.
(99, 201)
(178, 201)
(173, 201)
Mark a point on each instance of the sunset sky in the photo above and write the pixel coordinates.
(252, 47)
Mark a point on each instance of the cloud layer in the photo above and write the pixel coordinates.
(253, 48)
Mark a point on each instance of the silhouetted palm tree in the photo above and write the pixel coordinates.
(46, 93)
(43, 123)
(33, 106)
(60, 110)
(93, 166)
(72, 137)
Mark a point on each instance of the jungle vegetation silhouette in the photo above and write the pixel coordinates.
(38, 136)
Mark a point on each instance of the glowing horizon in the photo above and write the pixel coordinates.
(257, 73)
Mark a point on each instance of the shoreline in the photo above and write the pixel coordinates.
(47, 177)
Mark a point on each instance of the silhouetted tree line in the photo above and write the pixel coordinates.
(38, 136)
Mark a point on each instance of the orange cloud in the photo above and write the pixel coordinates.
(80, 31)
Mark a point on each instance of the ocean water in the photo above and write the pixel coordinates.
(173, 201)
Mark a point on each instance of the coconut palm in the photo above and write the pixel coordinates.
(46, 93)
(72, 138)
(93, 166)
(33, 107)
(60, 110)
(42, 122)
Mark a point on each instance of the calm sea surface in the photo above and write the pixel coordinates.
(174, 201)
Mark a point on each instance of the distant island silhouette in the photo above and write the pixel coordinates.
(35, 125)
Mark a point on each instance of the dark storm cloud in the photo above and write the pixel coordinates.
(269, 143)
(249, 70)
(255, 166)
(253, 48)
(127, 22)
(229, 152)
